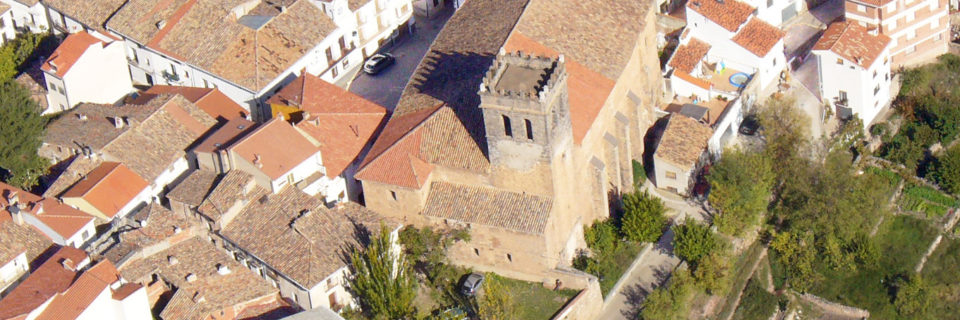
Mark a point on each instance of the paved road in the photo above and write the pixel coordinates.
(386, 87)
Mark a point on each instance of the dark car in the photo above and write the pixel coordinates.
(471, 284)
(378, 63)
(749, 126)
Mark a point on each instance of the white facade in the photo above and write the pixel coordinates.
(765, 69)
(726, 128)
(864, 90)
(32, 18)
(776, 12)
(98, 76)
(75, 240)
(136, 306)
(11, 271)
(7, 31)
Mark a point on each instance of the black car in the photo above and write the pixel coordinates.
(471, 283)
(749, 126)
(378, 63)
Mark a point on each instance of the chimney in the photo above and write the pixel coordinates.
(222, 269)
(161, 24)
(118, 122)
(12, 197)
(38, 206)
(859, 60)
(191, 277)
(256, 160)
(82, 117)
(198, 298)
(68, 264)
(16, 214)
(172, 260)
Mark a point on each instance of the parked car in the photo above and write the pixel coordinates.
(378, 63)
(749, 126)
(471, 284)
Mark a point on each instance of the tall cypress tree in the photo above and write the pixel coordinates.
(382, 279)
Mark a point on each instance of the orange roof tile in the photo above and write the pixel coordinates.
(69, 304)
(341, 121)
(210, 100)
(63, 219)
(108, 188)
(683, 140)
(758, 37)
(729, 14)
(69, 51)
(587, 89)
(852, 42)
(689, 55)
(394, 158)
(46, 281)
(693, 80)
(278, 145)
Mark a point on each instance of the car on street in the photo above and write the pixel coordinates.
(378, 62)
(471, 283)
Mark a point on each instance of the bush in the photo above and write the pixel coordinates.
(756, 303)
(693, 241)
(946, 170)
(913, 298)
(602, 236)
(670, 301)
(639, 173)
(879, 129)
(643, 218)
(740, 187)
(711, 273)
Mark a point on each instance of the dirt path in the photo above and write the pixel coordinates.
(753, 268)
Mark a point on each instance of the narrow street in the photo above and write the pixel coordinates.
(385, 88)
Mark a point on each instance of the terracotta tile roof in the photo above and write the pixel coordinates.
(62, 219)
(108, 188)
(69, 51)
(72, 302)
(693, 80)
(297, 235)
(689, 55)
(93, 124)
(758, 37)
(852, 42)
(28, 3)
(202, 259)
(161, 139)
(16, 239)
(589, 32)
(490, 207)
(419, 141)
(210, 100)
(343, 122)
(356, 4)
(683, 140)
(156, 225)
(587, 91)
(729, 14)
(78, 168)
(226, 135)
(93, 13)
(194, 188)
(43, 283)
(276, 158)
(235, 188)
(208, 35)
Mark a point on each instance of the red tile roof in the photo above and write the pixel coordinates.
(46, 281)
(689, 55)
(69, 51)
(343, 122)
(852, 42)
(69, 304)
(108, 188)
(63, 219)
(758, 37)
(210, 100)
(587, 90)
(729, 14)
(226, 135)
(278, 145)
(693, 80)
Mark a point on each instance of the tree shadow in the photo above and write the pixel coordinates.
(635, 295)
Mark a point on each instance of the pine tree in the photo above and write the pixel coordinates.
(21, 134)
(382, 279)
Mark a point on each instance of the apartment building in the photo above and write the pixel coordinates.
(854, 70)
(919, 29)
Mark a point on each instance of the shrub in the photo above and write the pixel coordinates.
(643, 218)
(693, 241)
(913, 297)
(669, 302)
(602, 236)
(879, 129)
(946, 171)
(639, 174)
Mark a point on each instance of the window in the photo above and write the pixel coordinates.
(334, 72)
(874, 73)
(393, 194)
(861, 8)
(876, 89)
(938, 37)
(476, 251)
(529, 128)
(343, 47)
(769, 3)
(843, 95)
(329, 53)
(840, 61)
(507, 128)
(509, 257)
(671, 175)
(85, 235)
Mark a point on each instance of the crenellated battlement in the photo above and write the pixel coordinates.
(516, 75)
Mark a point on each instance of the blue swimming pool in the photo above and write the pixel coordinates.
(739, 79)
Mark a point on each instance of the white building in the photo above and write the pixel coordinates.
(854, 68)
(85, 69)
(13, 265)
(26, 15)
(776, 12)
(7, 30)
(738, 41)
(60, 223)
(680, 153)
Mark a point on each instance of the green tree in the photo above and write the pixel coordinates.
(14, 53)
(786, 131)
(669, 302)
(495, 302)
(946, 170)
(22, 127)
(740, 187)
(693, 241)
(711, 273)
(643, 218)
(913, 298)
(797, 256)
(382, 279)
(602, 236)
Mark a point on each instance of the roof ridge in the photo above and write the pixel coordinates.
(402, 137)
